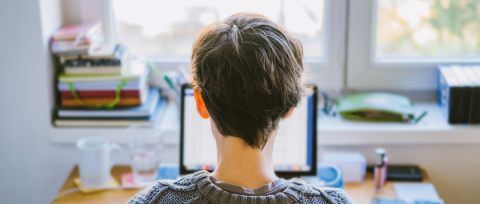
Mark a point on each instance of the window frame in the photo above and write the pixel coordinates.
(349, 48)
(365, 72)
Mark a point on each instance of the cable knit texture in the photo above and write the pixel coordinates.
(197, 188)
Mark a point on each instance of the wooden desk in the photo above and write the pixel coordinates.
(107, 196)
(362, 193)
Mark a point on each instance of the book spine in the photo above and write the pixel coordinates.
(451, 93)
(475, 90)
(455, 104)
(465, 95)
(443, 94)
(92, 70)
(100, 101)
(475, 106)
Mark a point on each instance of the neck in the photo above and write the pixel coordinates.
(242, 165)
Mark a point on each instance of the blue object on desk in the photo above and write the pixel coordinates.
(328, 175)
(331, 175)
(378, 200)
(168, 171)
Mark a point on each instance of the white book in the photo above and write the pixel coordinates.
(134, 70)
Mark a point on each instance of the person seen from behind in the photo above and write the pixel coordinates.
(247, 75)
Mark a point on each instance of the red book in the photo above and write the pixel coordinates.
(70, 102)
(101, 94)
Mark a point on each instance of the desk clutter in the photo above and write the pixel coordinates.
(459, 93)
(98, 84)
(411, 193)
(353, 164)
(165, 172)
(379, 184)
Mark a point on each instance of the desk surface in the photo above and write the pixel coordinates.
(362, 193)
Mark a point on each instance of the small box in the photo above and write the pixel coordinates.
(353, 164)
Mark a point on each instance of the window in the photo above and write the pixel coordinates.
(427, 28)
(168, 28)
(348, 44)
(398, 44)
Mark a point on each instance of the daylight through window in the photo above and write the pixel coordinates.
(428, 28)
(169, 28)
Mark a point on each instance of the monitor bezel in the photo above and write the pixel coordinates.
(282, 174)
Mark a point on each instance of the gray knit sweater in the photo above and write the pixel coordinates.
(197, 188)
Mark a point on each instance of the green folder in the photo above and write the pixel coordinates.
(380, 107)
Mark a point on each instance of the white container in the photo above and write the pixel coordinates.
(353, 164)
(96, 158)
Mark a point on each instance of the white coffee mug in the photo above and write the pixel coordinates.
(96, 158)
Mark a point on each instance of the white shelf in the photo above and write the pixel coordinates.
(170, 126)
(433, 129)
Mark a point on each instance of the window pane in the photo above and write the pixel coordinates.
(169, 28)
(428, 28)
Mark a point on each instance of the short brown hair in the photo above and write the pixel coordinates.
(248, 71)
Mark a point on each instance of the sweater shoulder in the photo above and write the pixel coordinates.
(333, 195)
(169, 191)
(313, 194)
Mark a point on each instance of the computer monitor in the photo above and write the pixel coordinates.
(294, 149)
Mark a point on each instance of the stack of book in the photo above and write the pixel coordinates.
(459, 93)
(100, 87)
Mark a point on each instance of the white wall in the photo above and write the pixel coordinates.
(32, 169)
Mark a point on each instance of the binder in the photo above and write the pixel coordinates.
(449, 92)
(465, 94)
(475, 108)
(474, 81)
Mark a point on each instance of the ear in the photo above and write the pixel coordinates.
(201, 108)
(288, 114)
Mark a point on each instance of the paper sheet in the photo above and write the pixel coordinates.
(416, 191)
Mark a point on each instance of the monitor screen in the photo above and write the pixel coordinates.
(293, 149)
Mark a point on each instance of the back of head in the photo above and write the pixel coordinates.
(248, 71)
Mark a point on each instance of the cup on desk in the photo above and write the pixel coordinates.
(145, 144)
(96, 158)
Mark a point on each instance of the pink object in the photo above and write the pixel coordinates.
(385, 165)
(380, 170)
(129, 182)
(71, 32)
